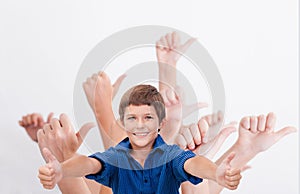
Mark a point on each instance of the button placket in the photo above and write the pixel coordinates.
(146, 177)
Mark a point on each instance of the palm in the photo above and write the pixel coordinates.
(257, 133)
(169, 48)
(174, 112)
(167, 56)
(261, 141)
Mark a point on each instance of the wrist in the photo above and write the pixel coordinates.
(243, 154)
(67, 156)
(163, 63)
(102, 110)
(62, 171)
(245, 147)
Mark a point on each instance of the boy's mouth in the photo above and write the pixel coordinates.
(140, 134)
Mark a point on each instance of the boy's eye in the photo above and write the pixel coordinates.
(130, 118)
(149, 117)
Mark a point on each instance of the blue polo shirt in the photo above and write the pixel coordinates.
(162, 173)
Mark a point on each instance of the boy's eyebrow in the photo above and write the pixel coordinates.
(131, 114)
(149, 113)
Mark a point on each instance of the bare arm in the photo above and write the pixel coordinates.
(201, 167)
(203, 139)
(99, 93)
(256, 134)
(169, 49)
(63, 142)
(223, 174)
(77, 166)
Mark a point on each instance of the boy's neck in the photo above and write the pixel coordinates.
(140, 155)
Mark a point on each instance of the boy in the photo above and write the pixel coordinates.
(142, 162)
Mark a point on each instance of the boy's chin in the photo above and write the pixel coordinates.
(142, 142)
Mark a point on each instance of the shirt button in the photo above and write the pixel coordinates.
(146, 181)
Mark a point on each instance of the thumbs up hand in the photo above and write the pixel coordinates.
(51, 173)
(226, 176)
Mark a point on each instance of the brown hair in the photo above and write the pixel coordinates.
(143, 95)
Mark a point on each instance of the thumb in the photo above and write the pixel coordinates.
(83, 131)
(187, 110)
(244, 168)
(117, 84)
(229, 159)
(211, 151)
(49, 157)
(224, 133)
(187, 44)
(49, 117)
(283, 132)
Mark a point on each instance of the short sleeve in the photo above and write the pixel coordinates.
(178, 168)
(105, 175)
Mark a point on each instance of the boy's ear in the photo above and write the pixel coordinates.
(162, 124)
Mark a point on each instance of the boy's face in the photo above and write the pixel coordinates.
(141, 124)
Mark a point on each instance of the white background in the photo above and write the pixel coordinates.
(254, 43)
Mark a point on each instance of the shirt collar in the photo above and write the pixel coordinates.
(125, 144)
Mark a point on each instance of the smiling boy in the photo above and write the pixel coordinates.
(142, 162)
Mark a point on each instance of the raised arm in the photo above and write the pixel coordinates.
(169, 49)
(256, 135)
(99, 93)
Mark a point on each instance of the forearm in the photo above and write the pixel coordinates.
(189, 188)
(201, 167)
(242, 155)
(170, 130)
(74, 186)
(214, 188)
(167, 75)
(79, 166)
(111, 132)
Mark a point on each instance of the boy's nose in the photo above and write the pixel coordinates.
(140, 123)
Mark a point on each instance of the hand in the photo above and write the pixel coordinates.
(205, 138)
(51, 173)
(176, 109)
(215, 135)
(59, 137)
(226, 176)
(256, 134)
(33, 122)
(99, 91)
(169, 48)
